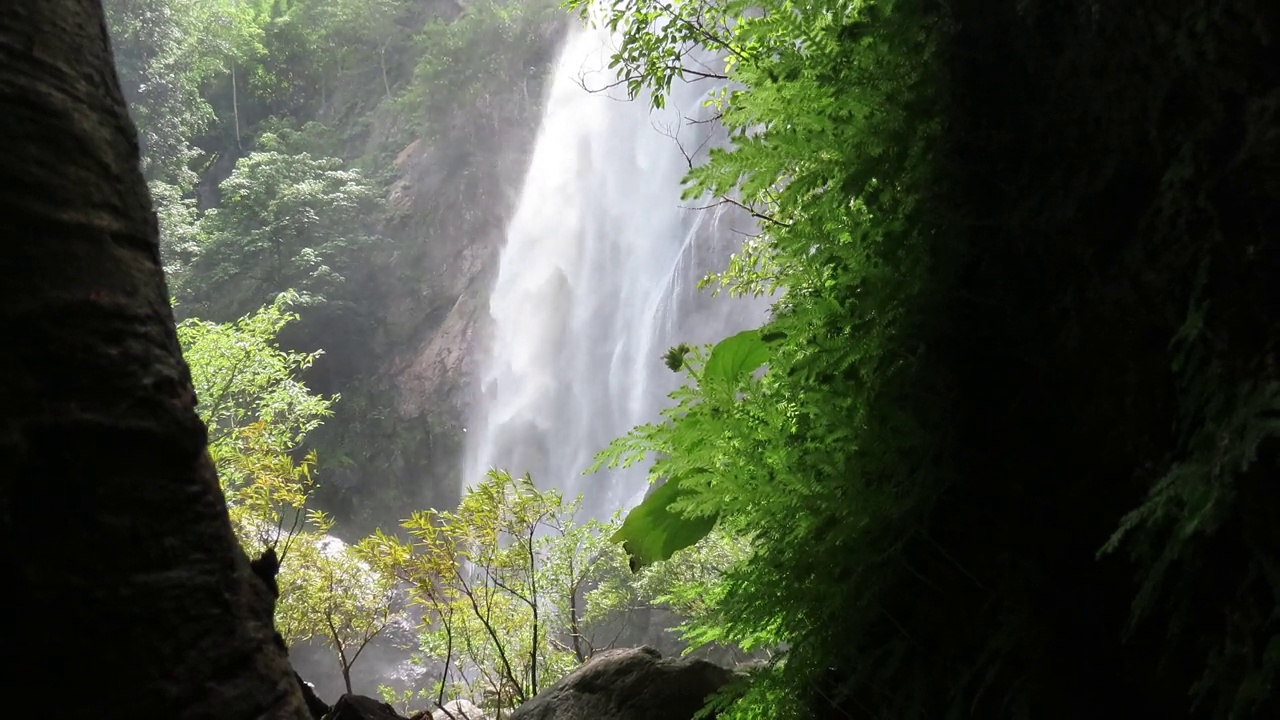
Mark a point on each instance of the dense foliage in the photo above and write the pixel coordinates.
(515, 590)
(285, 221)
(267, 128)
(459, 70)
(1014, 451)
(259, 413)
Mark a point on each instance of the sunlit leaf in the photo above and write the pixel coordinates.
(735, 356)
(652, 531)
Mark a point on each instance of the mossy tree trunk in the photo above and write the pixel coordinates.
(125, 592)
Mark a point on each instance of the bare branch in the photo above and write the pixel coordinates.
(609, 86)
(721, 199)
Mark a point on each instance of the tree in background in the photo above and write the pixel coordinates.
(457, 66)
(317, 48)
(329, 591)
(351, 38)
(516, 592)
(259, 413)
(286, 222)
(504, 582)
(243, 377)
(166, 50)
(161, 61)
(338, 71)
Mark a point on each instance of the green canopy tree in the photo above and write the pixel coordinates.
(243, 377)
(259, 412)
(506, 581)
(330, 593)
(165, 51)
(286, 221)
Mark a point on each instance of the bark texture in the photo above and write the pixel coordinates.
(125, 589)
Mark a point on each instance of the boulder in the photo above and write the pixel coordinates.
(629, 684)
(459, 710)
(359, 707)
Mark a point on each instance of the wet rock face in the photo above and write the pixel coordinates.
(629, 684)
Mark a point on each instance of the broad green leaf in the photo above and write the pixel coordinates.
(735, 356)
(652, 531)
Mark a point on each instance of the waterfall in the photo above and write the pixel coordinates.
(597, 280)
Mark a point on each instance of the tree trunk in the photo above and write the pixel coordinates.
(124, 586)
(342, 653)
(382, 63)
(235, 103)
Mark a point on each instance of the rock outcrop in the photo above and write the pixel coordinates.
(629, 684)
(317, 707)
(407, 391)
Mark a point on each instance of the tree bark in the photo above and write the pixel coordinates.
(124, 587)
(235, 104)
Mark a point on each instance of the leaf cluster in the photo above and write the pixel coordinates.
(516, 592)
(286, 222)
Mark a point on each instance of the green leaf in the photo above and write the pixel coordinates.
(735, 356)
(652, 531)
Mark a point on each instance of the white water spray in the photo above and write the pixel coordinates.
(597, 280)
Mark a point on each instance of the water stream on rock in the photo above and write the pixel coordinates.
(598, 279)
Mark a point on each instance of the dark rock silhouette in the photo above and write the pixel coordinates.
(317, 707)
(359, 707)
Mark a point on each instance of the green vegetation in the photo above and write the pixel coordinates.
(1015, 443)
(332, 592)
(500, 579)
(286, 221)
(460, 69)
(516, 592)
(266, 129)
(259, 413)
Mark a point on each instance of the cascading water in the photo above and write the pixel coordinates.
(598, 279)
